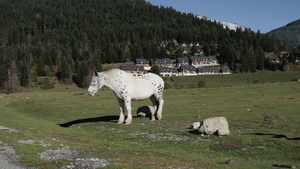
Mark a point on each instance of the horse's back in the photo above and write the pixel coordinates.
(142, 87)
(154, 78)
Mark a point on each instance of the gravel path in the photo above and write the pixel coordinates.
(5, 163)
(9, 159)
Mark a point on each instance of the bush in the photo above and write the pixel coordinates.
(255, 81)
(168, 85)
(296, 78)
(178, 86)
(192, 85)
(48, 84)
(201, 83)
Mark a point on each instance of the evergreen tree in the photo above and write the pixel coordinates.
(162, 53)
(3, 76)
(155, 69)
(194, 50)
(213, 49)
(64, 71)
(244, 64)
(82, 72)
(206, 50)
(260, 59)
(24, 74)
(97, 66)
(40, 68)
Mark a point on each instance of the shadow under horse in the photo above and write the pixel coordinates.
(91, 120)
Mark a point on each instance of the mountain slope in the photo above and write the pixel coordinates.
(290, 34)
(231, 26)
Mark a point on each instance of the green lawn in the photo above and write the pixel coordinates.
(264, 123)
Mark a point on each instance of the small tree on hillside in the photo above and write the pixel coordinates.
(64, 71)
(155, 69)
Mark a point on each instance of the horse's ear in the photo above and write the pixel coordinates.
(96, 74)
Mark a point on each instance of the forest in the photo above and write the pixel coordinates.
(68, 39)
(289, 34)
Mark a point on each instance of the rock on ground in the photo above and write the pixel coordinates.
(214, 125)
(145, 111)
(195, 125)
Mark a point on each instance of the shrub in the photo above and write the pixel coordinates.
(168, 85)
(201, 83)
(296, 78)
(178, 86)
(48, 84)
(192, 85)
(255, 81)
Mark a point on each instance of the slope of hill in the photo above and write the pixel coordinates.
(231, 26)
(72, 37)
(290, 34)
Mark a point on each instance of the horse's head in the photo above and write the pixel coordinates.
(95, 85)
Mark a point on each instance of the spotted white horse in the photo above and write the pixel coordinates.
(127, 87)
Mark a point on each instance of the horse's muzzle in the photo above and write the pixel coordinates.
(91, 93)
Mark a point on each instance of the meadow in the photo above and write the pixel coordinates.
(262, 110)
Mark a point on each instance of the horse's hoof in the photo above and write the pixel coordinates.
(120, 122)
(126, 123)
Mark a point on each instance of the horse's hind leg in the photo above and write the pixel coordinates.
(158, 103)
(160, 100)
(122, 111)
(155, 104)
(159, 109)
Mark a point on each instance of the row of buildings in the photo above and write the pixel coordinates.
(181, 67)
(197, 61)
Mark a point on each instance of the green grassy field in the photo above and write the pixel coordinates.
(264, 123)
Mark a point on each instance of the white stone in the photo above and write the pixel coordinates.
(214, 125)
(195, 125)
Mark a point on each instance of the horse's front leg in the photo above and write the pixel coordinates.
(127, 103)
(122, 111)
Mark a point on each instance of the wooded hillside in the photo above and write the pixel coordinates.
(290, 34)
(69, 38)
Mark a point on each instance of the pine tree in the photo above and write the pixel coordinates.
(24, 74)
(206, 50)
(194, 50)
(155, 69)
(244, 64)
(64, 71)
(82, 72)
(40, 68)
(3, 76)
(260, 59)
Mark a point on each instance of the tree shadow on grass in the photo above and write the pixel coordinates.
(112, 119)
(276, 136)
